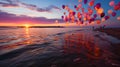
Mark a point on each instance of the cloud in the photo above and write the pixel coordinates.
(12, 18)
(17, 3)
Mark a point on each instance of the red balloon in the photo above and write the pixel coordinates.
(79, 15)
(116, 7)
(91, 3)
(66, 19)
(98, 21)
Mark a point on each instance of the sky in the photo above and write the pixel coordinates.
(43, 12)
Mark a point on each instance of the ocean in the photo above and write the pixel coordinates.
(56, 47)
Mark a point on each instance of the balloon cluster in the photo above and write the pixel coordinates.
(94, 13)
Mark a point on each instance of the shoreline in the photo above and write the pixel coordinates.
(115, 32)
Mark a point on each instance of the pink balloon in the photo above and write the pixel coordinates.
(112, 3)
(118, 18)
(79, 5)
(79, 0)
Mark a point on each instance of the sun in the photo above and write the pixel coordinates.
(27, 25)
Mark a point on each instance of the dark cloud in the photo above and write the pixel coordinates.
(11, 18)
(17, 3)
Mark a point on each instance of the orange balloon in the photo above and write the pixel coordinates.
(100, 10)
(110, 11)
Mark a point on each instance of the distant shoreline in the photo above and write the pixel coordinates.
(32, 27)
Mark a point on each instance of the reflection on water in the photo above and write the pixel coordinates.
(27, 35)
(89, 48)
(11, 39)
(81, 43)
(52, 47)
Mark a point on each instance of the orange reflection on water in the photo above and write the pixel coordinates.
(80, 43)
(27, 35)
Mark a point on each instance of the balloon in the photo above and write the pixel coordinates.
(73, 13)
(118, 18)
(62, 17)
(63, 6)
(77, 9)
(64, 13)
(97, 6)
(73, 18)
(98, 21)
(102, 14)
(107, 17)
(66, 8)
(66, 19)
(113, 14)
(91, 3)
(85, 1)
(110, 11)
(82, 22)
(103, 19)
(116, 7)
(111, 3)
(82, 10)
(88, 17)
(100, 10)
(92, 19)
(119, 3)
(79, 5)
(95, 15)
(79, 15)
(75, 6)
(79, 0)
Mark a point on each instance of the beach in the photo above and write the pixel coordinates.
(73, 47)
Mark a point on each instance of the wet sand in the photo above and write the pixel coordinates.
(115, 32)
(72, 49)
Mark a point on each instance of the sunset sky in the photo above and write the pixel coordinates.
(42, 12)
